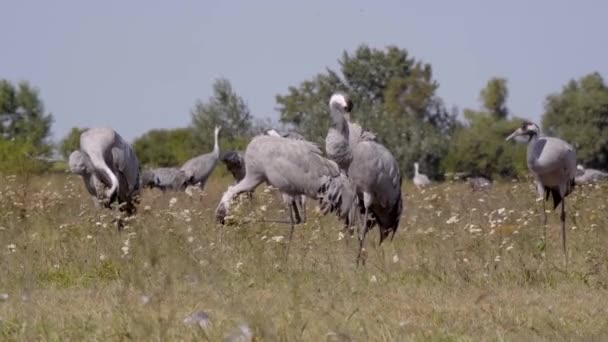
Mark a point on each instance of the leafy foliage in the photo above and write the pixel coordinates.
(164, 147)
(579, 115)
(70, 142)
(479, 146)
(394, 96)
(23, 118)
(226, 109)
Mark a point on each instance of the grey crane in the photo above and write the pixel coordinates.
(300, 201)
(295, 167)
(584, 175)
(372, 169)
(479, 183)
(163, 178)
(109, 167)
(198, 169)
(552, 161)
(420, 179)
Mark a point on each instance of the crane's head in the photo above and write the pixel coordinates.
(341, 102)
(217, 130)
(79, 163)
(527, 129)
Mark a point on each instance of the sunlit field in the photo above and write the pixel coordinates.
(464, 265)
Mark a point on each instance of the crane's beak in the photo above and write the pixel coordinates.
(517, 133)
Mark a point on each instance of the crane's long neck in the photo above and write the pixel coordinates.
(216, 146)
(530, 155)
(339, 123)
(416, 169)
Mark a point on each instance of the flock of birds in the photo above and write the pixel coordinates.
(357, 178)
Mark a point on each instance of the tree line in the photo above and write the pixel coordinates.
(395, 96)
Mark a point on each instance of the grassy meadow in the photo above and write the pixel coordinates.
(464, 265)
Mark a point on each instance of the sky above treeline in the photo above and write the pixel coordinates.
(137, 65)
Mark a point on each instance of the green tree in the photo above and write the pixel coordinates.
(165, 147)
(494, 97)
(479, 146)
(225, 108)
(394, 96)
(579, 115)
(23, 118)
(71, 142)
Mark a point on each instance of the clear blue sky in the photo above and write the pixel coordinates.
(137, 65)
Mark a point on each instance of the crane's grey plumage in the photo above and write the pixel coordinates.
(198, 169)
(81, 165)
(300, 201)
(372, 169)
(420, 179)
(163, 178)
(552, 161)
(337, 147)
(584, 175)
(295, 167)
(105, 155)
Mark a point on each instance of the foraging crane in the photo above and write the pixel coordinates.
(584, 175)
(420, 179)
(164, 178)
(296, 168)
(198, 169)
(372, 169)
(106, 158)
(552, 161)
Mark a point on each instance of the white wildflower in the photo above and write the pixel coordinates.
(11, 247)
(395, 258)
(501, 211)
(102, 257)
(89, 237)
(277, 238)
(172, 202)
(452, 220)
(340, 236)
(263, 208)
(373, 279)
(510, 247)
(190, 239)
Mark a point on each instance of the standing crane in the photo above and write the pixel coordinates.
(198, 169)
(296, 168)
(552, 161)
(370, 166)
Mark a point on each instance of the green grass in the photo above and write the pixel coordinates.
(463, 266)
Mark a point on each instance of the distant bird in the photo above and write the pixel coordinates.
(584, 175)
(164, 178)
(296, 168)
(198, 169)
(552, 161)
(370, 166)
(420, 179)
(479, 183)
(300, 201)
(289, 135)
(106, 158)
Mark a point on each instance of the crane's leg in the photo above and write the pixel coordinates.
(291, 219)
(362, 233)
(367, 202)
(563, 219)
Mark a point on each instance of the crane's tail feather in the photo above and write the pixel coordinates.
(338, 195)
